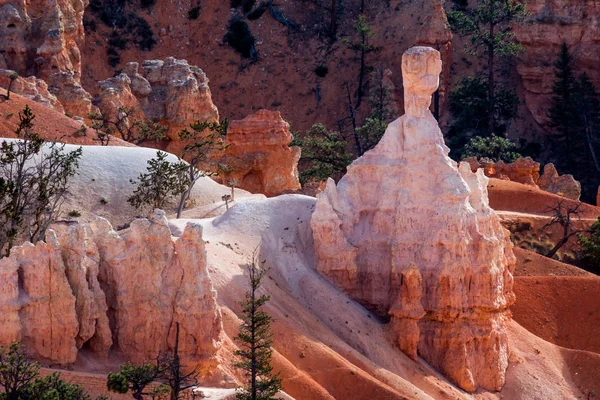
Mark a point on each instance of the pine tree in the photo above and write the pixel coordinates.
(587, 106)
(562, 112)
(256, 339)
(489, 27)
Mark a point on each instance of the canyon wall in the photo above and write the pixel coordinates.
(411, 237)
(550, 23)
(42, 37)
(87, 286)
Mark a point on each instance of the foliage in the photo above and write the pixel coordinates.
(591, 245)
(135, 379)
(575, 117)
(173, 375)
(240, 38)
(489, 27)
(17, 373)
(470, 109)
(255, 340)
(194, 12)
(13, 76)
(20, 380)
(493, 147)
(363, 48)
(127, 27)
(204, 138)
(33, 183)
(127, 125)
(162, 181)
(325, 154)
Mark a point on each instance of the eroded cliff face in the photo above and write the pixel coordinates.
(170, 92)
(551, 22)
(41, 37)
(411, 236)
(90, 286)
(259, 157)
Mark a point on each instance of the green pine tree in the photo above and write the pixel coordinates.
(255, 340)
(562, 111)
(587, 106)
(489, 27)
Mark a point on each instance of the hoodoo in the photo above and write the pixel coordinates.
(410, 235)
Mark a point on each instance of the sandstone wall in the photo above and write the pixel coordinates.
(551, 22)
(259, 157)
(41, 37)
(87, 285)
(412, 238)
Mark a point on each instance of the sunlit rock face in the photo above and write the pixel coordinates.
(410, 235)
(89, 286)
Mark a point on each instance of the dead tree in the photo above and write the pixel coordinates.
(564, 214)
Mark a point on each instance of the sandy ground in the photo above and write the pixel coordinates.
(328, 346)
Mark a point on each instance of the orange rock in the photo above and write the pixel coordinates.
(407, 233)
(31, 88)
(523, 170)
(58, 296)
(171, 92)
(259, 156)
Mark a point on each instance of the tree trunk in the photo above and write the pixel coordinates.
(588, 136)
(361, 75)
(353, 118)
(491, 118)
(8, 90)
(562, 242)
(333, 26)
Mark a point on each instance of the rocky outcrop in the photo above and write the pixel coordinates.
(41, 37)
(550, 23)
(171, 92)
(410, 236)
(563, 185)
(90, 287)
(31, 88)
(259, 157)
(526, 171)
(77, 102)
(522, 170)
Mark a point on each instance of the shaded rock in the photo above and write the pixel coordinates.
(77, 102)
(405, 217)
(259, 156)
(31, 88)
(562, 185)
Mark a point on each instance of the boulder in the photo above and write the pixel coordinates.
(259, 157)
(411, 237)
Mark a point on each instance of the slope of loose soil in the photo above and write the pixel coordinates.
(533, 264)
(51, 125)
(563, 310)
(328, 346)
(517, 197)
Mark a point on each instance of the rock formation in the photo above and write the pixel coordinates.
(523, 170)
(549, 24)
(563, 185)
(526, 171)
(77, 102)
(259, 157)
(409, 235)
(171, 92)
(88, 286)
(31, 88)
(41, 37)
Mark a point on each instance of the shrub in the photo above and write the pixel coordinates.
(240, 38)
(494, 147)
(194, 13)
(74, 213)
(321, 71)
